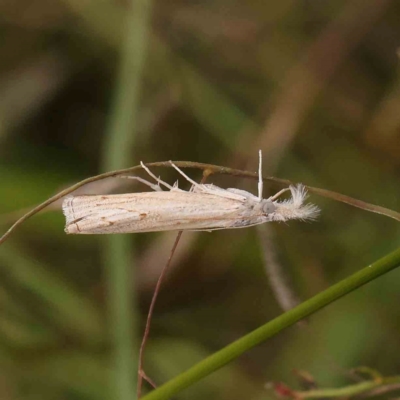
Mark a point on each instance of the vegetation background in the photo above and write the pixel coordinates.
(90, 86)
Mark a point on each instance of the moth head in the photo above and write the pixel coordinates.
(268, 207)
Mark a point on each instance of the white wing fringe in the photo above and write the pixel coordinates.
(294, 208)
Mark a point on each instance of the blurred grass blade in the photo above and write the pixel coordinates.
(66, 307)
(85, 375)
(117, 153)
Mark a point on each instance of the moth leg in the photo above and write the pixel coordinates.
(175, 188)
(156, 188)
(158, 180)
(194, 183)
(260, 179)
(275, 196)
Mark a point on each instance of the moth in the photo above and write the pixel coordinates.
(204, 207)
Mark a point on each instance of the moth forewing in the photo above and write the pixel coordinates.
(157, 211)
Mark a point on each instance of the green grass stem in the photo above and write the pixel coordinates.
(237, 348)
(118, 149)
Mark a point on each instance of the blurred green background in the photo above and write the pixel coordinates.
(90, 86)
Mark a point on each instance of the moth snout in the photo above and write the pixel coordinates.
(268, 207)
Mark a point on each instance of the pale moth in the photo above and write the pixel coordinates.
(203, 207)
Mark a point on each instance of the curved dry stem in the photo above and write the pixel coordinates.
(208, 169)
(368, 388)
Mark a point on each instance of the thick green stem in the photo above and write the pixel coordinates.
(234, 350)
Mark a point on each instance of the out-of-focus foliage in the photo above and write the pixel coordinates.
(314, 84)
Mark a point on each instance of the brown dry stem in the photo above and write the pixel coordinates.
(210, 170)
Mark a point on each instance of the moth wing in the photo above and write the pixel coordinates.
(213, 208)
(86, 214)
(233, 194)
(243, 193)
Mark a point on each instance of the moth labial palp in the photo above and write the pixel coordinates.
(204, 207)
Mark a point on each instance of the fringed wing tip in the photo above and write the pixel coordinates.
(295, 208)
(309, 212)
(67, 211)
